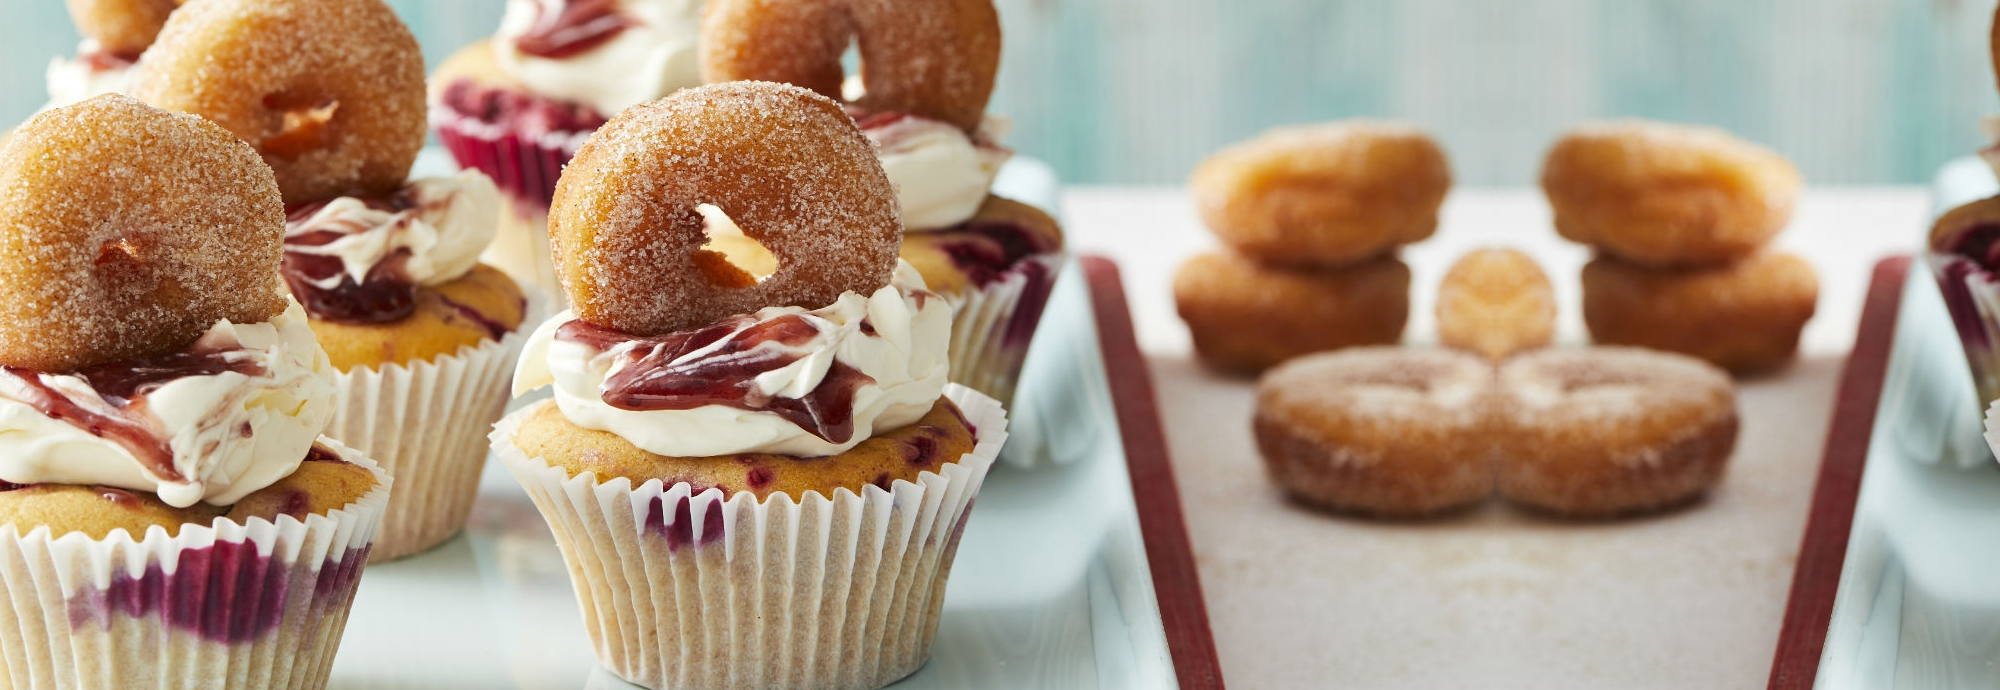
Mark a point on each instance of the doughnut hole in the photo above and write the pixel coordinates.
(1382, 431)
(1496, 302)
(1606, 431)
(1745, 317)
(128, 231)
(1246, 317)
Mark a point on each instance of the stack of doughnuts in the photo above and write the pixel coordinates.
(1682, 218)
(1312, 216)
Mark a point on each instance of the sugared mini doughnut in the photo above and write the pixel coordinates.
(1246, 317)
(941, 436)
(787, 165)
(88, 276)
(1496, 302)
(936, 58)
(331, 92)
(121, 27)
(1610, 430)
(1744, 317)
(1387, 431)
(1660, 193)
(1324, 194)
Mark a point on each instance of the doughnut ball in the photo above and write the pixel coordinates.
(787, 165)
(1496, 302)
(330, 92)
(1744, 317)
(1384, 431)
(128, 231)
(1326, 194)
(1604, 431)
(1664, 194)
(121, 27)
(1246, 317)
(936, 59)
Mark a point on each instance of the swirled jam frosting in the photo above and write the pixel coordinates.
(608, 54)
(785, 380)
(231, 414)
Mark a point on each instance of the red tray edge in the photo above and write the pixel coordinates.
(1823, 548)
(1183, 611)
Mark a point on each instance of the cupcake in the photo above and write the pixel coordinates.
(517, 105)
(923, 106)
(1962, 255)
(115, 33)
(173, 517)
(755, 482)
(386, 267)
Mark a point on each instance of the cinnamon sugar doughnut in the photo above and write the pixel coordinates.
(936, 58)
(786, 164)
(121, 27)
(1326, 194)
(88, 277)
(1387, 431)
(1661, 194)
(1610, 430)
(1745, 317)
(1246, 317)
(1496, 302)
(331, 92)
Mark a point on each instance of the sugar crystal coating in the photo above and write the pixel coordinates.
(126, 231)
(786, 164)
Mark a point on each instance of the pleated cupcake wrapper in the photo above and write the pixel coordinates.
(692, 591)
(257, 604)
(525, 168)
(426, 423)
(992, 324)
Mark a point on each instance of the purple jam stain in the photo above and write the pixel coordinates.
(124, 384)
(295, 504)
(680, 532)
(1034, 299)
(967, 423)
(118, 497)
(225, 592)
(532, 115)
(759, 477)
(1953, 272)
(493, 327)
(655, 377)
(319, 453)
(922, 450)
(882, 481)
(986, 250)
(10, 486)
(867, 328)
(577, 27)
(385, 295)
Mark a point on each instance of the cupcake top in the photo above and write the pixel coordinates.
(358, 260)
(173, 364)
(941, 172)
(607, 54)
(793, 375)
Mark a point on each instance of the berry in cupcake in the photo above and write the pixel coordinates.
(331, 94)
(161, 402)
(517, 105)
(740, 425)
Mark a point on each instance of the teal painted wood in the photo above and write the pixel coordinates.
(1137, 91)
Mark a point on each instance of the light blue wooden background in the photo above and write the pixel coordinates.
(1136, 91)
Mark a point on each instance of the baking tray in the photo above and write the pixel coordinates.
(1896, 584)
(1075, 574)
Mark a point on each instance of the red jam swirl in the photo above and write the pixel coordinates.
(385, 295)
(124, 385)
(578, 27)
(664, 372)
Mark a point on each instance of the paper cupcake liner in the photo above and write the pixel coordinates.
(697, 592)
(992, 324)
(257, 604)
(426, 424)
(526, 168)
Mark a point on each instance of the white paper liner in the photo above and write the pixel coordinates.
(981, 355)
(838, 593)
(520, 249)
(426, 423)
(67, 625)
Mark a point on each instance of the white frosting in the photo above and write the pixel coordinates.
(906, 356)
(940, 174)
(203, 418)
(74, 80)
(451, 220)
(649, 59)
